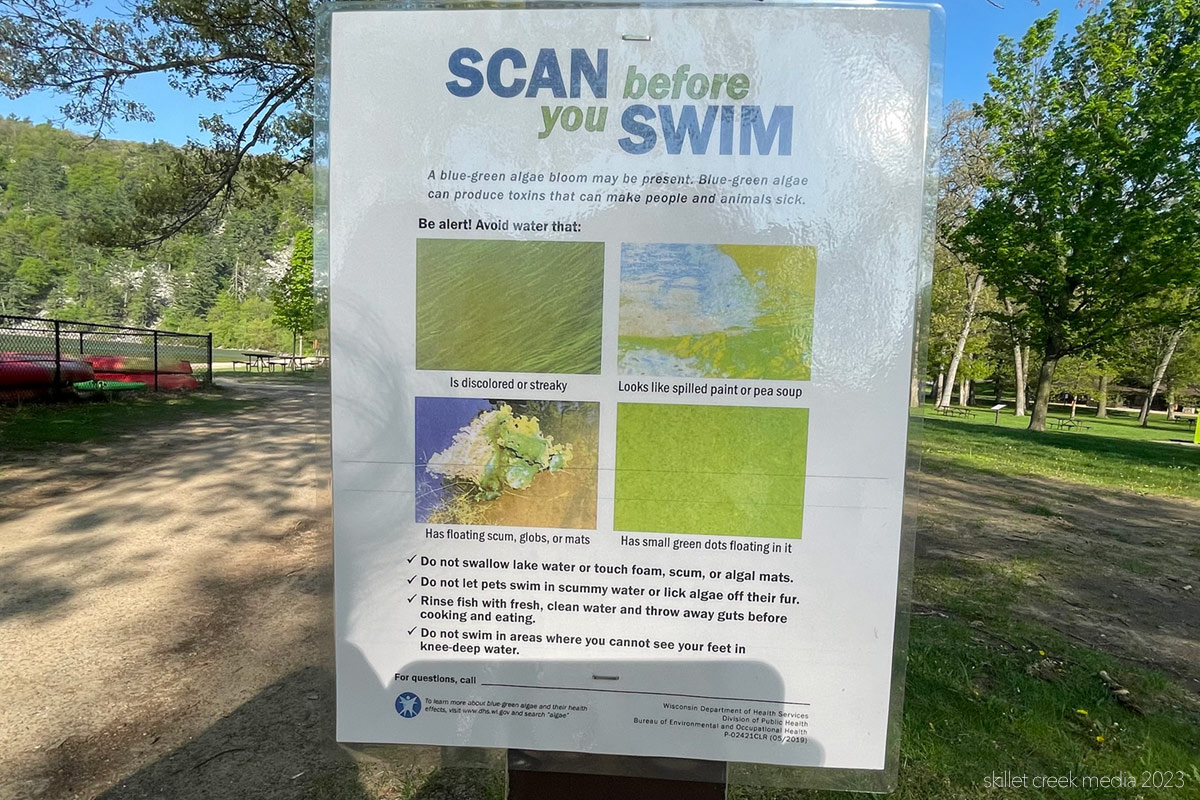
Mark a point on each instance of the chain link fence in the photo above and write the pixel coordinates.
(40, 357)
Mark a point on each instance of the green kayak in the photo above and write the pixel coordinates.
(107, 386)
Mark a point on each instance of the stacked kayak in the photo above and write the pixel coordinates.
(132, 369)
(29, 376)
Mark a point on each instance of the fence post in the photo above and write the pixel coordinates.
(210, 364)
(156, 361)
(57, 358)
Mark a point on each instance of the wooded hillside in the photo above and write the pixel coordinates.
(66, 208)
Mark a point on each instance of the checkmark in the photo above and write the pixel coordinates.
(413, 578)
(413, 597)
(410, 560)
(410, 630)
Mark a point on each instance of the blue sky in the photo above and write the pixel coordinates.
(972, 29)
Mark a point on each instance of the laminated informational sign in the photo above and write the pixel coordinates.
(623, 303)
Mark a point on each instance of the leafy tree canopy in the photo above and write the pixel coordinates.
(293, 293)
(255, 54)
(1094, 206)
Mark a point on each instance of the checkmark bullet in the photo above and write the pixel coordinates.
(414, 597)
(410, 630)
(413, 578)
(411, 559)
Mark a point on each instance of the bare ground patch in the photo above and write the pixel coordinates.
(1117, 571)
(165, 613)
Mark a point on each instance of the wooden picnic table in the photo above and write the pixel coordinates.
(262, 360)
(256, 359)
(1069, 424)
(298, 362)
(954, 411)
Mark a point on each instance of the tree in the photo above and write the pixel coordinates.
(293, 293)
(964, 168)
(258, 54)
(1076, 376)
(1182, 379)
(1094, 209)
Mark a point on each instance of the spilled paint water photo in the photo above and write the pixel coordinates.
(717, 311)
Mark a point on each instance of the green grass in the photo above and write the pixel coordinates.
(1116, 453)
(987, 692)
(35, 426)
(189, 348)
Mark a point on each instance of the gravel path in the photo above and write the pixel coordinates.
(165, 613)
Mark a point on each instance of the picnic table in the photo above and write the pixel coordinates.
(263, 361)
(256, 359)
(954, 411)
(1069, 424)
(296, 363)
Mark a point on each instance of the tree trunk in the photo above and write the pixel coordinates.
(1019, 366)
(1172, 343)
(1170, 405)
(1074, 403)
(961, 346)
(941, 382)
(1020, 360)
(914, 383)
(1037, 421)
(962, 392)
(1102, 403)
(996, 382)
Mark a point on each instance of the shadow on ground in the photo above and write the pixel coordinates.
(269, 747)
(1115, 570)
(183, 482)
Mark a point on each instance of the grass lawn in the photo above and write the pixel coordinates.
(35, 426)
(1116, 452)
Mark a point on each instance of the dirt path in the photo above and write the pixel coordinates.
(165, 614)
(1115, 570)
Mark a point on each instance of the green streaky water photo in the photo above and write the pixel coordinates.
(717, 311)
(509, 306)
(723, 470)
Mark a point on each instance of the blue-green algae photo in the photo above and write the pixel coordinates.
(722, 470)
(717, 311)
(509, 306)
(485, 461)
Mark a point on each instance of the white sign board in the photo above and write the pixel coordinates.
(622, 307)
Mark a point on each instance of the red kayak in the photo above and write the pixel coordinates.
(166, 380)
(26, 376)
(137, 364)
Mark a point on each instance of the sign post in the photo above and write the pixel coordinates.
(622, 305)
